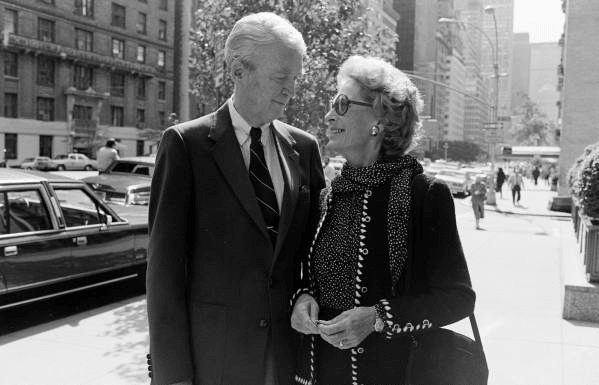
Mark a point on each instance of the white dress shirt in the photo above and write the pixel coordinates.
(270, 144)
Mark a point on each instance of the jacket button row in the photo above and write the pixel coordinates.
(263, 323)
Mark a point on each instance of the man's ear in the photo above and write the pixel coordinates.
(237, 70)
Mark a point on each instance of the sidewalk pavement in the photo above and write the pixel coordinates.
(517, 270)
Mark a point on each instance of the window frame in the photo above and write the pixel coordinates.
(14, 23)
(84, 8)
(51, 107)
(11, 69)
(162, 54)
(42, 24)
(88, 40)
(46, 142)
(162, 29)
(141, 88)
(115, 19)
(80, 74)
(143, 56)
(161, 90)
(120, 46)
(116, 121)
(14, 112)
(117, 90)
(11, 139)
(142, 23)
(46, 71)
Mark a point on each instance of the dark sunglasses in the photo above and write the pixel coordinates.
(341, 104)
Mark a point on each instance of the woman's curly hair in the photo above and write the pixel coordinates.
(396, 101)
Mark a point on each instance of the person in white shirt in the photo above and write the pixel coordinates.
(517, 184)
(106, 155)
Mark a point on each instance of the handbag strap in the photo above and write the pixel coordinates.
(419, 186)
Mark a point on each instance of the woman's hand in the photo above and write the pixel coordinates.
(349, 328)
(305, 314)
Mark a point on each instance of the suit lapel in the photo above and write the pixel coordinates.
(228, 157)
(289, 161)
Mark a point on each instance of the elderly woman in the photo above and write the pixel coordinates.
(383, 263)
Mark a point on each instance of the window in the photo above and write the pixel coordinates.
(161, 59)
(11, 64)
(11, 21)
(46, 145)
(141, 118)
(10, 105)
(161, 90)
(140, 148)
(84, 8)
(45, 30)
(45, 109)
(117, 84)
(141, 88)
(83, 77)
(10, 145)
(117, 116)
(161, 119)
(45, 71)
(118, 48)
(162, 30)
(141, 54)
(118, 15)
(78, 208)
(141, 23)
(163, 4)
(84, 40)
(82, 112)
(23, 211)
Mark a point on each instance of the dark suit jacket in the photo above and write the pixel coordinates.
(216, 289)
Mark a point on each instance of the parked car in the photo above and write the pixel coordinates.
(42, 163)
(457, 181)
(74, 162)
(126, 181)
(26, 164)
(57, 237)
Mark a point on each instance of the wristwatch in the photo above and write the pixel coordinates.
(379, 325)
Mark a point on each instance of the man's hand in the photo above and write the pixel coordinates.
(305, 314)
(349, 328)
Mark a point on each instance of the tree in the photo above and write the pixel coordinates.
(534, 128)
(332, 30)
(457, 150)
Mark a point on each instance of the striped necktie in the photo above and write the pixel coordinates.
(263, 186)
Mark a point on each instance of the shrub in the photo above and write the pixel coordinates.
(589, 184)
(574, 174)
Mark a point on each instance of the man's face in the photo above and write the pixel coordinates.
(262, 93)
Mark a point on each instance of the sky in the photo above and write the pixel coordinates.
(542, 19)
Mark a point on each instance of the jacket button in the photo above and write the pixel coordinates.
(263, 323)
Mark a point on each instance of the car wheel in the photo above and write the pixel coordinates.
(61, 168)
(88, 168)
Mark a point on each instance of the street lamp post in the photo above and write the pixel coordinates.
(491, 198)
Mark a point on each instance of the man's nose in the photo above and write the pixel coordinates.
(329, 117)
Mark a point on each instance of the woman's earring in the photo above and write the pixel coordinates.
(374, 131)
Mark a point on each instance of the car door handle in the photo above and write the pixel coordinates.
(80, 241)
(10, 251)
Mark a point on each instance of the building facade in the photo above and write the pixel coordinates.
(75, 72)
(521, 73)
(545, 59)
(580, 91)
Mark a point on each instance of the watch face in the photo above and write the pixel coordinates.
(379, 325)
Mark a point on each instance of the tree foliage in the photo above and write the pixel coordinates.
(589, 184)
(458, 151)
(534, 128)
(332, 30)
(575, 173)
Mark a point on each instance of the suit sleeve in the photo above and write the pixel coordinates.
(166, 274)
(317, 183)
(447, 296)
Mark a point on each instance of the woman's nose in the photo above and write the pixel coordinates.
(330, 116)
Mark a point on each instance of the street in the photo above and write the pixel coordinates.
(515, 267)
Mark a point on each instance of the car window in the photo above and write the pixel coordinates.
(142, 170)
(123, 167)
(78, 208)
(23, 211)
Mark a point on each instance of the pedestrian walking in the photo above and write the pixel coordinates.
(234, 200)
(516, 182)
(535, 174)
(500, 180)
(478, 193)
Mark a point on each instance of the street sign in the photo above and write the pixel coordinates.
(491, 125)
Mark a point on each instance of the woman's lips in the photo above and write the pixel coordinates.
(336, 130)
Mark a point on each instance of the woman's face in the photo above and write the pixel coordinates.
(349, 133)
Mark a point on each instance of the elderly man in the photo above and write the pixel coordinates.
(233, 207)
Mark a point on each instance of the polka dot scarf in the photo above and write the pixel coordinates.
(399, 173)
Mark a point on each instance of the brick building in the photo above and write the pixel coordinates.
(75, 72)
